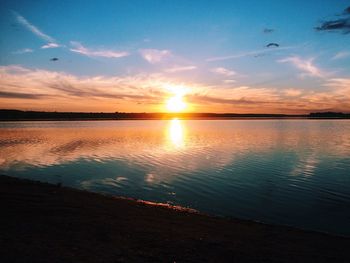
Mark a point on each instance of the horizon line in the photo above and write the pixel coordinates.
(179, 113)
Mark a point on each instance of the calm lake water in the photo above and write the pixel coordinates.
(293, 172)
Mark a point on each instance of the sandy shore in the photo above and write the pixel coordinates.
(48, 223)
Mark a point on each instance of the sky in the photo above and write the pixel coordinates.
(212, 56)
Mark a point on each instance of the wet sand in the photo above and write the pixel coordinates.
(47, 223)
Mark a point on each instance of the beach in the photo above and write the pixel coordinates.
(49, 223)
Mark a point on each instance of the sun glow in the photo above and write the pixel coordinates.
(176, 102)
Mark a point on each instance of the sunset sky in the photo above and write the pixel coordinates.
(214, 56)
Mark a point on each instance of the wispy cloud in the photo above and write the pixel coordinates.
(223, 71)
(89, 93)
(305, 65)
(50, 45)
(229, 81)
(19, 95)
(77, 47)
(155, 56)
(23, 51)
(219, 100)
(35, 30)
(254, 53)
(179, 69)
(292, 92)
(341, 55)
(54, 90)
(340, 84)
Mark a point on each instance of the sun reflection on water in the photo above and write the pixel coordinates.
(176, 133)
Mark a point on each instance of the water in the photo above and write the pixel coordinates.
(291, 172)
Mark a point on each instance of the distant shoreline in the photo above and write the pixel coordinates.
(50, 223)
(154, 119)
(17, 115)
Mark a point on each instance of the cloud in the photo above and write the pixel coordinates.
(336, 97)
(36, 31)
(247, 98)
(61, 91)
(347, 11)
(292, 92)
(50, 45)
(342, 84)
(341, 55)
(250, 53)
(180, 69)
(211, 99)
(154, 56)
(229, 81)
(223, 71)
(77, 47)
(338, 25)
(19, 95)
(23, 51)
(305, 65)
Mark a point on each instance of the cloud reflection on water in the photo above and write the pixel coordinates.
(163, 148)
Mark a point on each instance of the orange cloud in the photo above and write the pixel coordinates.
(37, 89)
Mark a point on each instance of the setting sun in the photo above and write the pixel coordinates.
(175, 101)
(175, 104)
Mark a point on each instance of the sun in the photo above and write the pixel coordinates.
(176, 101)
(176, 104)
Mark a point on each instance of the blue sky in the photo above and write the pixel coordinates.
(132, 51)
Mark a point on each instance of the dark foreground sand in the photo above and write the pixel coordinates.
(46, 223)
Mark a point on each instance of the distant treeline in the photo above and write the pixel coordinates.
(42, 115)
(335, 115)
